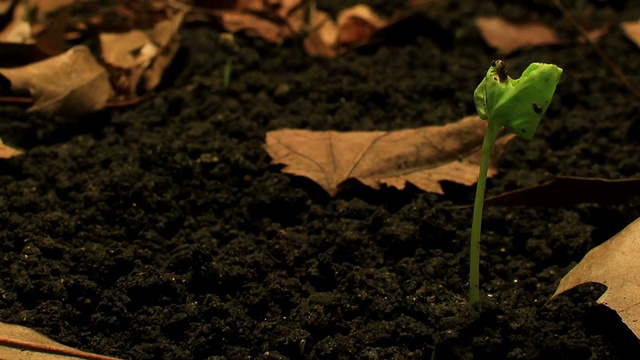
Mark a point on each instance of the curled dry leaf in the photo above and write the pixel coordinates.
(165, 34)
(7, 151)
(273, 20)
(128, 54)
(614, 264)
(278, 20)
(253, 25)
(35, 30)
(632, 30)
(355, 26)
(21, 343)
(422, 156)
(509, 37)
(139, 55)
(321, 41)
(71, 83)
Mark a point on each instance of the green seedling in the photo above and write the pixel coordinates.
(514, 104)
(230, 48)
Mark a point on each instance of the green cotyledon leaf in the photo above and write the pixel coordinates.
(517, 104)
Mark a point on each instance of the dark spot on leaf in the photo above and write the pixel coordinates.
(536, 108)
(523, 130)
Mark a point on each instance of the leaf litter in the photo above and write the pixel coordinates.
(72, 83)
(279, 20)
(423, 156)
(137, 43)
(614, 264)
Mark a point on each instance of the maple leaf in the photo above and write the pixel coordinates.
(614, 264)
(422, 157)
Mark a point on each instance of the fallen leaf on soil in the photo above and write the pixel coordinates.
(18, 29)
(254, 25)
(34, 32)
(273, 21)
(138, 55)
(139, 39)
(567, 190)
(632, 30)
(278, 20)
(422, 156)
(49, 36)
(21, 343)
(509, 37)
(354, 27)
(72, 83)
(128, 54)
(614, 264)
(165, 34)
(320, 41)
(358, 23)
(7, 151)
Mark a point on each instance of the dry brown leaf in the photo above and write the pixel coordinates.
(357, 23)
(141, 55)
(254, 25)
(72, 83)
(18, 30)
(632, 30)
(165, 34)
(49, 35)
(21, 343)
(422, 156)
(509, 37)
(322, 40)
(127, 50)
(355, 26)
(7, 151)
(272, 20)
(614, 264)
(127, 55)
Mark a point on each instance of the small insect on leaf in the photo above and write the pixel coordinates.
(517, 104)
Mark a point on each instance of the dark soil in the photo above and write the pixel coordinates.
(160, 231)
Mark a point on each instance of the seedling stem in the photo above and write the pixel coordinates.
(487, 145)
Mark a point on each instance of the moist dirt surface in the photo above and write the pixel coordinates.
(160, 231)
